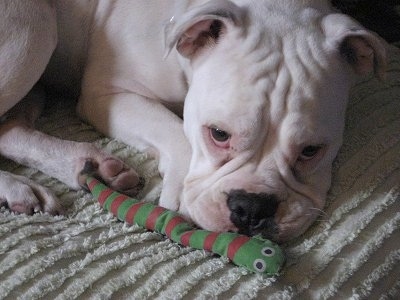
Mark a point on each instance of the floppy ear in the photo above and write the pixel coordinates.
(201, 26)
(362, 49)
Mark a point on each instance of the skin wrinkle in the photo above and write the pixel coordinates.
(265, 62)
(299, 66)
(313, 58)
(280, 94)
(319, 63)
(315, 48)
(302, 61)
(294, 64)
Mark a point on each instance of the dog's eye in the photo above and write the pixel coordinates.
(220, 137)
(309, 152)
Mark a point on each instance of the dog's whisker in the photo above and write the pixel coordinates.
(322, 215)
(321, 212)
(320, 219)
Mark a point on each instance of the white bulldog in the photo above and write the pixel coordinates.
(264, 86)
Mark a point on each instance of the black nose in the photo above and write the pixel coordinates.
(252, 213)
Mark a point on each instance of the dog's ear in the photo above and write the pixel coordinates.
(362, 49)
(201, 27)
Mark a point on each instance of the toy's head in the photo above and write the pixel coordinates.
(262, 256)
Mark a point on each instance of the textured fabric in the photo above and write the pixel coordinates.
(351, 252)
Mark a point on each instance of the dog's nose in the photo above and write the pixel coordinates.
(252, 213)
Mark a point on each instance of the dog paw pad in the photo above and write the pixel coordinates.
(114, 173)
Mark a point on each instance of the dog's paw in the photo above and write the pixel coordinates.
(22, 195)
(113, 172)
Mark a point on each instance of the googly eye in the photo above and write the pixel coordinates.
(259, 265)
(267, 251)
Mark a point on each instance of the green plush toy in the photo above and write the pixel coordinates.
(255, 254)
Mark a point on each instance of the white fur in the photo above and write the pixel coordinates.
(275, 80)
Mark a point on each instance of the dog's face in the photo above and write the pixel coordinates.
(265, 115)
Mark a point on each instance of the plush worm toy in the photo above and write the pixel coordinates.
(255, 254)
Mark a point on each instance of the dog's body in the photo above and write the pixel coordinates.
(264, 84)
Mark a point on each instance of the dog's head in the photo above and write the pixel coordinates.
(268, 86)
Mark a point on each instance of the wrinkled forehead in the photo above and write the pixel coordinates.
(290, 70)
(274, 69)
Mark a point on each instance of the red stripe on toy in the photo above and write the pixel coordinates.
(104, 195)
(209, 241)
(235, 245)
(152, 218)
(116, 203)
(185, 238)
(172, 224)
(130, 215)
(92, 184)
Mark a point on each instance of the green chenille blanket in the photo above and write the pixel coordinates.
(351, 252)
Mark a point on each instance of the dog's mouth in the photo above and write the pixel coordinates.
(266, 228)
(273, 211)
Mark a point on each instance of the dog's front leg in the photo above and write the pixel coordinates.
(137, 120)
(68, 161)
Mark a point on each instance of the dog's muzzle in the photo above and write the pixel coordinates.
(253, 213)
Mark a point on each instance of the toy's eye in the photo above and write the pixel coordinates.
(259, 265)
(267, 251)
